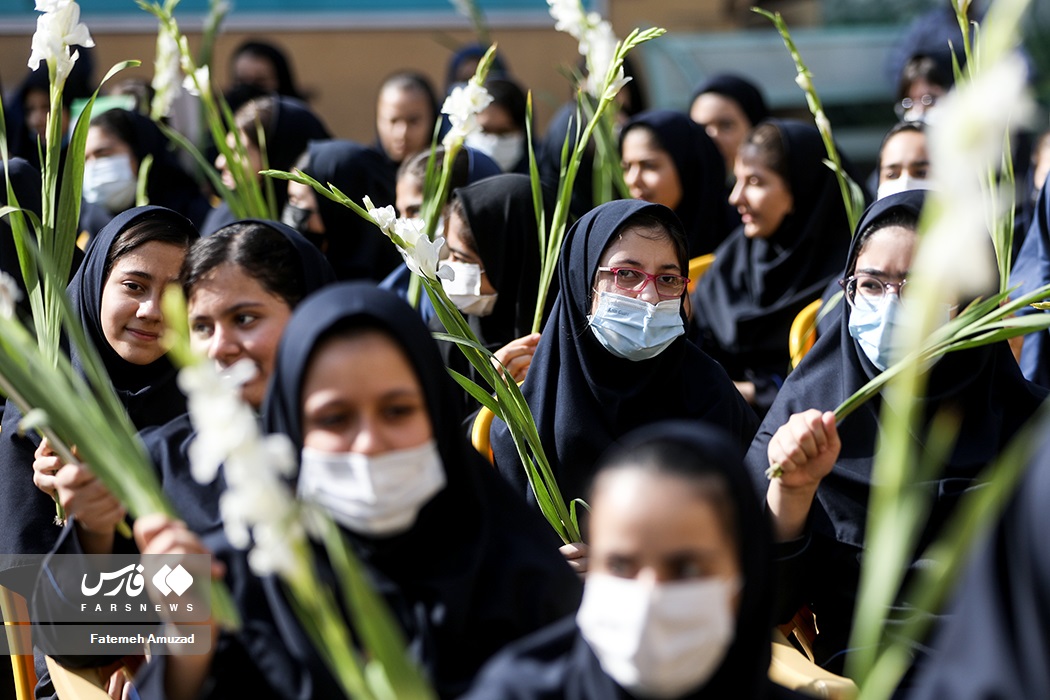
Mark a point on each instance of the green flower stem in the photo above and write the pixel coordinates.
(568, 179)
(852, 198)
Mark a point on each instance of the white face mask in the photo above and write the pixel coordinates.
(657, 640)
(506, 149)
(110, 182)
(464, 290)
(633, 328)
(873, 327)
(380, 495)
(903, 183)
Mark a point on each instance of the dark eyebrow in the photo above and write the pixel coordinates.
(395, 394)
(139, 273)
(636, 264)
(241, 307)
(875, 272)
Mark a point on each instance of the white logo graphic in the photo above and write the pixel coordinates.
(133, 583)
(169, 580)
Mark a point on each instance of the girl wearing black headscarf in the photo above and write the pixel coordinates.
(728, 107)
(118, 141)
(679, 599)
(116, 294)
(288, 126)
(355, 247)
(494, 249)
(668, 159)
(445, 571)
(820, 504)
(612, 359)
(790, 246)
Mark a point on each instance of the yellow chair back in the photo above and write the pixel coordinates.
(479, 433)
(19, 641)
(803, 332)
(697, 267)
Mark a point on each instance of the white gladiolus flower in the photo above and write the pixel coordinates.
(968, 141)
(421, 254)
(568, 16)
(803, 81)
(463, 106)
(823, 123)
(197, 81)
(971, 121)
(258, 508)
(167, 75)
(385, 217)
(599, 46)
(10, 294)
(56, 30)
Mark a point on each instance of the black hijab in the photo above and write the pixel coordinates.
(745, 93)
(147, 391)
(558, 663)
(704, 209)
(745, 303)
(983, 384)
(500, 214)
(356, 248)
(583, 398)
(448, 578)
(281, 66)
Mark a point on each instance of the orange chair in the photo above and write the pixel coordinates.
(479, 434)
(697, 267)
(19, 642)
(803, 332)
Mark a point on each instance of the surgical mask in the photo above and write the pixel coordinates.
(110, 182)
(903, 183)
(633, 328)
(506, 149)
(296, 217)
(658, 640)
(378, 495)
(464, 290)
(873, 327)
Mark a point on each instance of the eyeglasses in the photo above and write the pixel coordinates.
(629, 279)
(871, 290)
(902, 107)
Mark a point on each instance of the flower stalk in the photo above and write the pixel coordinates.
(45, 251)
(247, 198)
(852, 195)
(613, 81)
